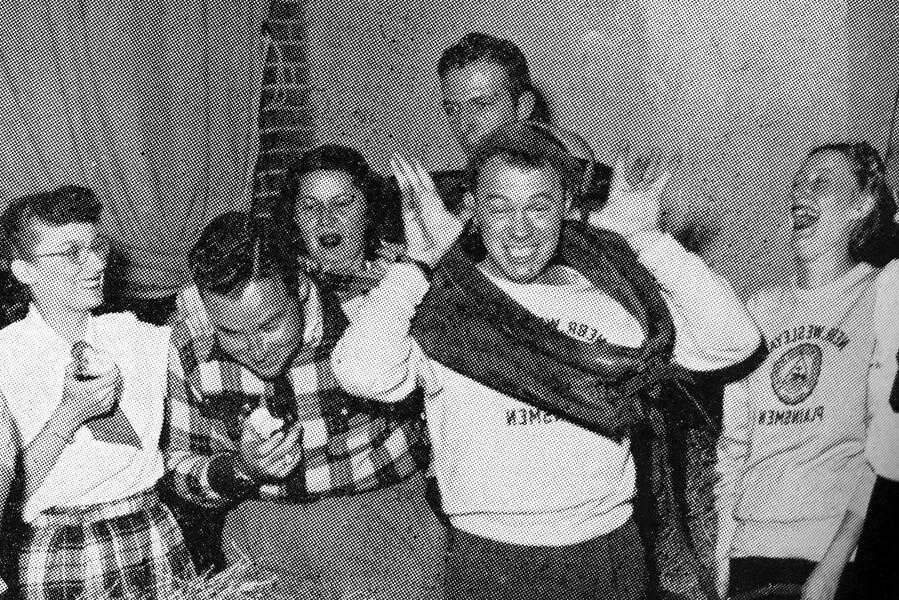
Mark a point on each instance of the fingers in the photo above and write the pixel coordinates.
(290, 440)
(288, 453)
(646, 171)
(275, 456)
(620, 168)
(403, 173)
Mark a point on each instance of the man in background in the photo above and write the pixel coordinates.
(485, 82)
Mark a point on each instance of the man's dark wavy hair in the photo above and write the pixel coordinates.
(236, 248)
(524, 144)
(477, 46)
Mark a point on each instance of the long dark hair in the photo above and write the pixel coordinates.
(876, 241)
(345, 160)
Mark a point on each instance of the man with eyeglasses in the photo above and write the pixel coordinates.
(81, 414)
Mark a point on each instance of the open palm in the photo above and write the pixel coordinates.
(635, 194)
(430, 228)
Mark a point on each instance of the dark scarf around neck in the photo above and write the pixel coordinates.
(470, 325)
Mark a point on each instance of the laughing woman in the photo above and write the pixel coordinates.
(81, 412)
(794, 481)
(338, 205)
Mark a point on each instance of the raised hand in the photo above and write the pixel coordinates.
(430, 228)
(635, 194)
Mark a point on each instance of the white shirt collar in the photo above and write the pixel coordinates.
(42, 330)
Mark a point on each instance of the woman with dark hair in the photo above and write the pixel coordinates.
(332, 201)
(794, 482)
(337, 202)
(336, 206)
(81, 415)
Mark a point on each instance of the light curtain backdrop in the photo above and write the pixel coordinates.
(151, 103)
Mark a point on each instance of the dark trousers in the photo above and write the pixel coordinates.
(609, 567)
(877, 559)
(385, 543)
(782, 578)
(201, 528)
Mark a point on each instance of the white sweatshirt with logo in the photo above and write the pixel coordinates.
(511, 472)
(791, 454)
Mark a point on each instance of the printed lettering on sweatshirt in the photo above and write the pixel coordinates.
(517, 417)
(834, 335)
(796, 372)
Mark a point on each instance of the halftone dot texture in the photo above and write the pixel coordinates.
(156, 105)
(153, 105)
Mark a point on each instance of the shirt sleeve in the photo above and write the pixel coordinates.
(199, 455)
(377, 358)
(732, 452)
(858, 502)
(714, 329)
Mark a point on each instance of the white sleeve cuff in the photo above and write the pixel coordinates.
(405, 281)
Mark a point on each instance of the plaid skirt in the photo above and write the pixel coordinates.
(130, 549)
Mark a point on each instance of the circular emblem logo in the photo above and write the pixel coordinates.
(795, 374)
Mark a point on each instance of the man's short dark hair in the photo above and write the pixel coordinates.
(481, 46)
(61, 206)
(523, 144)
(235, 249)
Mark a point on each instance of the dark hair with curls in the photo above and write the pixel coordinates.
(236, 248)
(61, 206)
(877, 240)
(345, 160)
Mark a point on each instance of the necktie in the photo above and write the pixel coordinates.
(113, 427)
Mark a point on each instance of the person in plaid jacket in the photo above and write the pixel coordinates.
(348, 232)
(319, 485)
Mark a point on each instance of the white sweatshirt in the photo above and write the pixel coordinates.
(883, 433)
(791, 453)
(508, 471)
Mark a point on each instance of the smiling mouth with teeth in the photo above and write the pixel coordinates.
(804, 217)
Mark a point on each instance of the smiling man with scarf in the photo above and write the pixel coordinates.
(538, 342)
